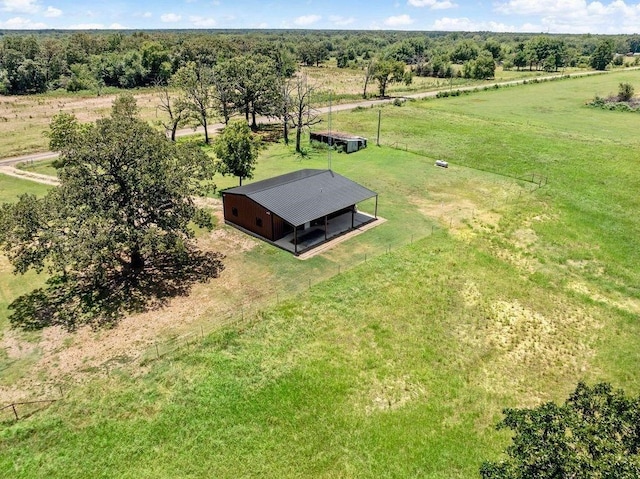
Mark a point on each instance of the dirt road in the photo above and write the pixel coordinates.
(214, 128)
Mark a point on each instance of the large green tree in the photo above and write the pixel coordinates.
(256, 84)
(482, 68)
(237, 150)
(195, 81)
(386, 72)
(594, 434)
(602, 55)
(115, 235)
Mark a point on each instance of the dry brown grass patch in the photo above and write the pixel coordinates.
(520, 344)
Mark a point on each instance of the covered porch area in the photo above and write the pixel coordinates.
(323, 230)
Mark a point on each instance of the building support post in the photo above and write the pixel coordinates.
(295, 240)
(353, 214)
(326, 225)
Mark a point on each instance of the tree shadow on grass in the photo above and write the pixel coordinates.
(80, 299)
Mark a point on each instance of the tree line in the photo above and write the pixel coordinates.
(50, 60)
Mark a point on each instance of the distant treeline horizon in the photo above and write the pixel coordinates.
(36, 61)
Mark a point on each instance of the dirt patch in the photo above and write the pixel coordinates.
(388, 394)
(463, 217)
(16, 347)
(524, 238)
(65, 358)
(625, 304)
(471, 294)
(524, 263)
(519, 343)
(27, 175)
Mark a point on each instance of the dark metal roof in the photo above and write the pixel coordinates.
(337, 135)
(304, 195)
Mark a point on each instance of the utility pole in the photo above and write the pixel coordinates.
(330, 138)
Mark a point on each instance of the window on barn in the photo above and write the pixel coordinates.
(234, 211)
(259, 222)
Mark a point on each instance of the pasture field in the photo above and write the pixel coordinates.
(11, 188)
(346, 84)
(11, 285)
(40, 167)
(482, 290)
(24, 119)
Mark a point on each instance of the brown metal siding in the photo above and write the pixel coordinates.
(248, 212)
(279, 227)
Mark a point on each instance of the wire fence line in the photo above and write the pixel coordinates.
(239, 315)
(25, 408)
(247, 311)
(242, 314)
(536, 179)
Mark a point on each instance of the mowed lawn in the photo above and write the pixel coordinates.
(504, 294)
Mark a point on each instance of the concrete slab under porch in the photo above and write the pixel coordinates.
(314, 236)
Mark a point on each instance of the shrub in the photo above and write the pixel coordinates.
(625, 92)
(598, 102)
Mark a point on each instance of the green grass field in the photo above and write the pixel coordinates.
(504, 294)
(11, 285)
(41, 167)
(24, 118)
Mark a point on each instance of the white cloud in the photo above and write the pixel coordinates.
(467, 25)
(341, 21)
(576, 16)
(398, 21)
(202, 22)
(117, 26)
(20, 6)
(540, 7)
(19, 23)
(432, 4)
(170, 17)
(147, 15)
(443, 5)
(307, 20)
(52, 12)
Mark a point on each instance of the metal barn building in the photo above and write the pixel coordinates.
(298, 210)
(349, 143)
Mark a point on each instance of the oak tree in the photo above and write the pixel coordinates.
(595, 433)
(195, 81)
(386, 72)
(237, 150)
(115, 235)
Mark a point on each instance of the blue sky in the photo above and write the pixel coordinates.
(554, 16)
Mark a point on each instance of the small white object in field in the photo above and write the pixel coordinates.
(442, 164)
